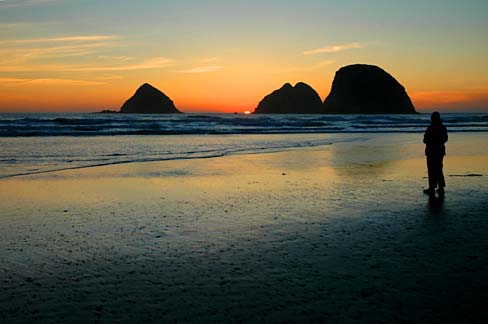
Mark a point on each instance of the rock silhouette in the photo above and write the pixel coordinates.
(367, 89)
(149, 100)
(108, 111)
(300, 99)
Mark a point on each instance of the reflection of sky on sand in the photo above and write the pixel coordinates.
(436, 204)
(370, 158)
(388, 157)
(24, 155)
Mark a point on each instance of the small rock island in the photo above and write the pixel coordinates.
(367, 89)
(300, 99)
(149, 100)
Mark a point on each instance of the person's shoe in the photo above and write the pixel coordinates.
(429, 192)
(440, 191)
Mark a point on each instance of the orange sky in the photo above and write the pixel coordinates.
(223, 56)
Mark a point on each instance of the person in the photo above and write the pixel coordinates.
(434, 138)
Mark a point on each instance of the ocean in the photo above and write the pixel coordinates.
(14, 125)
(39, 143)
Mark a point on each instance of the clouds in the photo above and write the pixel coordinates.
(152, 63)
(4, 4)
(29, 57)
(62, 39)
(25, 52)
(202, 69)
(333, 48)
(78, 53)
(85, 53)
(15, 82)
(99, 53)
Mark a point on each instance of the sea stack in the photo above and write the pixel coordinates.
(300, 99)
(149, 100)
(367, 89)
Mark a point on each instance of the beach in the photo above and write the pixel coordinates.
(338, 232)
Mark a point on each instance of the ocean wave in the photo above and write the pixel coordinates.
(29, 125)
(81, 121)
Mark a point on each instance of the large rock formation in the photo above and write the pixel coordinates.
(149, 100)
(300, 99)
(367, 89)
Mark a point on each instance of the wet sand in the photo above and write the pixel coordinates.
(338, 233)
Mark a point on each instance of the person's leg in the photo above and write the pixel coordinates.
(431, 174)
(440, 175)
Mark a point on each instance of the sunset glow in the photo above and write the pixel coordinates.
(220, 56)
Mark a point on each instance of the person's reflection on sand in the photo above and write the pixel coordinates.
(436, 204)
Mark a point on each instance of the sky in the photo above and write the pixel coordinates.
(225, 55)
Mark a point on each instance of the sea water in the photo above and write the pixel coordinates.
(38, 143)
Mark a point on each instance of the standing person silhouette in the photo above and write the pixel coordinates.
(434, 138)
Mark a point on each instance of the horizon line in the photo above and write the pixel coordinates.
(419, 110)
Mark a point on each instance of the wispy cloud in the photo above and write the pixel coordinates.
(109, 77)
(203, 69)
(15, 82)
(24, 3)
(209, 60)
(152, 63)
(23, 55)
(7, 29)
(48, 54)
(333, 48)
(83, 38)
(26, 51)
(324, 63)
(120, 58)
